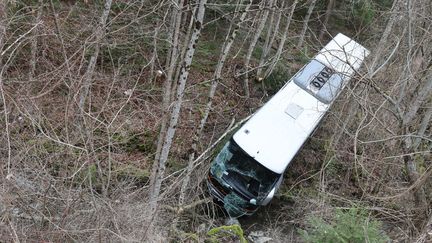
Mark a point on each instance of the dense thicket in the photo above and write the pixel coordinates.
(111, 112)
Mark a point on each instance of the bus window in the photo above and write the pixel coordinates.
(320, 81)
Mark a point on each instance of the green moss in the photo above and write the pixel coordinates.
(384, 4)
(207, 48)
(286, 194)
(136, 142)
(187, 237)
(257, 52)
(276, 80)
(119, 6)
(130, 172)
(127, 54)
(420, 163)
(333, 168)
(50, 147)
(89, 177)
(175, 165)
(92, 177)
(363, 12)
(305, 56)
(225, 233)
(92, 174)
(206, 55)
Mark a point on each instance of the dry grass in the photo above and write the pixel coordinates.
(83, 176)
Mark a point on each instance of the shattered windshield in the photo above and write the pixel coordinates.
(249, 179)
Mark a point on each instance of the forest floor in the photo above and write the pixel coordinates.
(71, 179)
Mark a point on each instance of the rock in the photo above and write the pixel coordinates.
(202, 228)
(128, 92)
(232, 221)
(258, 237)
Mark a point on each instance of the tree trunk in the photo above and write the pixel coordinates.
(3, 22)
(413, 175)
(409, 145)
(422, 95)
(60, 37)
(328, 13)
(271, 35)
(88, 76)
(166, 100)
(183, 47)
(425, 123)
(283, 40)
(34, 42)
(277, 25)
(175, 112)
(426, 235)
(305, 24)
(387, 31)
(226, 47)
(260, 27)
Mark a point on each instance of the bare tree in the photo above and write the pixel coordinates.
(175, 112)
(89, 183)
(171, 62)
(259, 28)
(184, 47)
(3, 22)
(306, 23)
(217, 76)
(88, 75)
(328, 13)
(424, 92)
(272, 32)
(414, 71)
(283, 38)
(59, 36)
(425, 123)
(34, 42)
(411, 145)
(394, 15)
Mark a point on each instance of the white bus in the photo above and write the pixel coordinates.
(249, 169)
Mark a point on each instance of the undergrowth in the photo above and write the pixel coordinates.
(352, 225)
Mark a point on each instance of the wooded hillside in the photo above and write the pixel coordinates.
(112, 111)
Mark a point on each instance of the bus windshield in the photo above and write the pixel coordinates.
(249, 179)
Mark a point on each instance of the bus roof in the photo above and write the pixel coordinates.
(276, 132)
